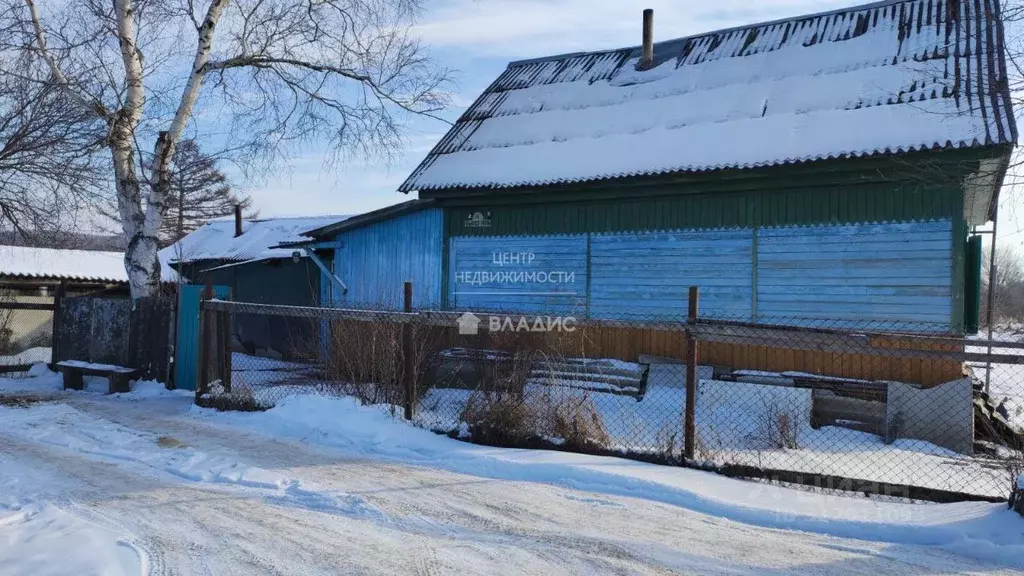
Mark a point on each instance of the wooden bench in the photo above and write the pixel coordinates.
(118, 377)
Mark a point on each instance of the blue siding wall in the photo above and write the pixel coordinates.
(647, 276)
(519, 274)
(896, 275)
(376, 260)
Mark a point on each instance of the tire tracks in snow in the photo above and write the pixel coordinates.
(455, 523)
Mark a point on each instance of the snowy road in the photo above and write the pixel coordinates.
(152, 487)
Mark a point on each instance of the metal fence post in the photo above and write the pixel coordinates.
(408, 355)
(692, 356)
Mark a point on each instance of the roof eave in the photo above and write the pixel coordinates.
(366, 219)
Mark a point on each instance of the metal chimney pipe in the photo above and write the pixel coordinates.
(648, 58)
(238, 220)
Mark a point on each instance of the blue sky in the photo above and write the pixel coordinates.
(478, 38)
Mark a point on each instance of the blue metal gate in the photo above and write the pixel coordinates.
(186, 365)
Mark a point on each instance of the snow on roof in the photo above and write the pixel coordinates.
(886, 77)
(216, 240)
(82, 265)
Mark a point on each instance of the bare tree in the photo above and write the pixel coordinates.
(1008, 293)
(47, 146)
(261, 74)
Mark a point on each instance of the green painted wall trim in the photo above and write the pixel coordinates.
(972, 286)
(807, 206)
(933, 168)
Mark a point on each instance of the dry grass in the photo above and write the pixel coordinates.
(170, 442)
(368, 356)
(777, 428)
(240, 399)
(22, 400)
(579, 424)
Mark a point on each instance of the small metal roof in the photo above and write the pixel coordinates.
(216, 240)
(881, 78)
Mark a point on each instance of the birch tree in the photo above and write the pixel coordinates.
(258, 76)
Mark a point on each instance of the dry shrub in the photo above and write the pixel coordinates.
(22, 400)
(240, 399)
(777, 428)
(499, 412)
(501, 419)
(368, 357)
(505, 411)
(578, 423)
(535, 420)
(1008, 452)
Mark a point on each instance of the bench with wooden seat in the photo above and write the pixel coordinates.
(118, 377)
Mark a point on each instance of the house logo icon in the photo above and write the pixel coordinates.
(469, 324)
(478, 220)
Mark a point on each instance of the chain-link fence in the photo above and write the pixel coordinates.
(899, 410)
(26, 330)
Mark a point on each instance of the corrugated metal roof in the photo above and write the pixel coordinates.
(80, 265)
(880, 78)
(216, 240)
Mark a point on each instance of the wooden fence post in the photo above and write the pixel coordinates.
(408, 355)
(205, 341)
(58, 302)
(692, 357)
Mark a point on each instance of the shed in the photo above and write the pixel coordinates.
(243, 255)
(29, 277)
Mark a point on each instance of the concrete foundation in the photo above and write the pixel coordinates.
(942, 415)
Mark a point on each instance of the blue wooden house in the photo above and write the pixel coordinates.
(820, 170)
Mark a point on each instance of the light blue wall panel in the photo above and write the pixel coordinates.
(543, 274)
(647, 276)
(896, 276)
(376, 260)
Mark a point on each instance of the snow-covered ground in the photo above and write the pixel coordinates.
(146, 482)
(731, 418)
(731, 421)
(27, 356)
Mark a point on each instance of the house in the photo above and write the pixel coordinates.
(822, 170)
(243, 256)
(825, 170)
(29, 278)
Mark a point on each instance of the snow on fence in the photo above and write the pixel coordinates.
(788, 402)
